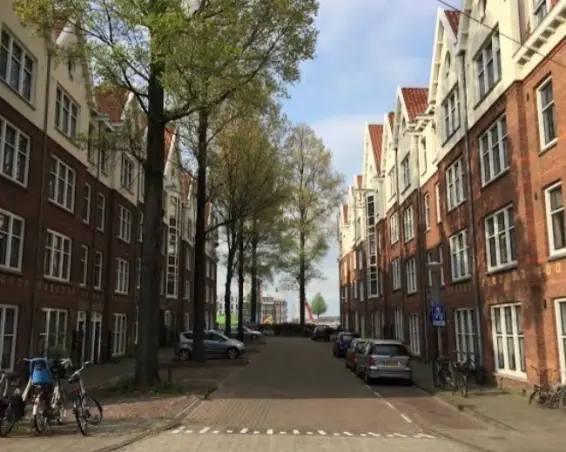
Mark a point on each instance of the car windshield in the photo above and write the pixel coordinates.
(388, 350)
(346, 338)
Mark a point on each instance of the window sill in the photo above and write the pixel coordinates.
(486, 94)
(20, 95)
(494, 179)
(449, 137)
(502, 269)
(463, 279)
(117, 292)
(512, 375)
(12, 271)
(57, 280)
(408, 240)
(405, 189)
(100, 229)
(60, 206)
(548, 146)
(123, 240)
(17, 182)
(70, 139)
(556, 255)
(455, 206)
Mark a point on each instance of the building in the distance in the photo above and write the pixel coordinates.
(273, 310)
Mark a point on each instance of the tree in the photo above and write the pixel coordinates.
(316, 191)
(318, 305)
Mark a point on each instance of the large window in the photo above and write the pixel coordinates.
(555, 219)
(547, 114)
(392, 182)
(122, 276)
(373, 284)
(501, 246)
(408, 224)
(119, 335)
(399, 325)
(394, 227)
(406, 172)
(124, 224)
(411, 269)
(451, 113)
(493, 151)
(54, 333)
(464, 326)
(455, 190)
(127, 173)
(426, 206)
(14, 153)
(57, 263)
(11, 240)
(66, 114)
(17, 66)
(87, 203)
(508, 339)
(83, 269)
(62, 184)
(8, 328)
(488, 65)
(396, 274)
(459, 255)
(414, 334)
(98, 263)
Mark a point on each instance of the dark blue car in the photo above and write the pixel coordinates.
(342, 343)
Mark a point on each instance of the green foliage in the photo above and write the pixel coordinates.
(318, 305)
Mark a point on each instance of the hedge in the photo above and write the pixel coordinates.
(288, 329)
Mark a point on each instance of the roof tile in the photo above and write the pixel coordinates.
(376, 138)
(416, 101)
(453, 19)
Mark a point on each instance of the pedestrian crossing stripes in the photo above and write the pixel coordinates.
(270, 431)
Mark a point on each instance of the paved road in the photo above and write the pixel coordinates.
(294, 394)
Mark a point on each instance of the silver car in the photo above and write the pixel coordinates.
(216, 345)
(383, 358)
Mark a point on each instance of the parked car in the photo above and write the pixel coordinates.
(322, 333)
(216, 345)
(342, 343)
(383, 358)
(356, 346)
(249, 334)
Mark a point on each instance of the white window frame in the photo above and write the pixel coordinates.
(140, 229)
(408, 224)
(451, 113)
(394, 228)
(415, 334)
(560, 311)
(98, 269)
(455, 189)
(459, 256)
(489, 57)
(411, 274)
(406, 171)
(28, 66)
(119, 333)
(67, 114)
(553, 250)
(124, 224)
(396, 274)
(19, 150)
(514, 338)
(399, 324)
(122, 276)
(61, 328)
(138, 272)
(57, 260)
(500, 230)
(187, 292)
(544, 112)
(465, 332)
(101, 213)
(14, 242)
(440, 252)
(4, 335)
(62, 180)
(426, 204)
(437, 201)
(539, 10)
(84, 266)
(127, 170)
(494, 153)
(392, 182)
(429, 259)
(87, 203)
(373, 282)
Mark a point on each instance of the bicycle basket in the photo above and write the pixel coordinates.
(40, 373)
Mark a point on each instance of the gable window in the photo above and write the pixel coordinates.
(98, 262)
(555, 219)
(488, 65)
(127, 173)
(11, 240)
(455, 184)
(426, 205)
(86, 204)
(392, 182)
(508, 339)
(62, 184)
(57, 262)
(83, 272)
(66, 114)
(101, 213)
(124, 224)
(408, 226)
(122, 276)
(451, 113)
(406, 172)
(459, 253)
(394, 227)
(396, 274)
(500, 239)
(411, 269)
(493, 150)
(14, 153)
(17, 66)
(547, 119)
(540, 10)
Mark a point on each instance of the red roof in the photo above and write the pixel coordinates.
(391, 119)
(376, 138)
(416, 101)
(345, 212)
(453, 19)
(111, 101)
(359, 180)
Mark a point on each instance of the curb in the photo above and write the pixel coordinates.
(465, 409)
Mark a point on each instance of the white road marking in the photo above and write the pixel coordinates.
(406, 418)
(309, 433)
(375, 435)
(229, 431)
(336, 434)
(256, 432)
(399, 435)
(282, 433)
(204, 430)
(391, 436)
(178, 430)
(244, 430)
(188, 432)
(348, 434)
(296, 432)
(269, 431)
(390, 405)
(377, 394)
(369, 387)
(216, 432)
(321, 432)
(423, 435)
(363, 434)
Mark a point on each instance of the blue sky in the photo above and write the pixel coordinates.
(366, 49)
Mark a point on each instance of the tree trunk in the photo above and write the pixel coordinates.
(302, 285)
(241, 275)
(147, 364)
(254, 281)
(228, 285)
(200, 240)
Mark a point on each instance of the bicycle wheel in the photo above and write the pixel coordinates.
(535, 396)
(7, 420)
(92, 408)
(562, 400)
(463, 384)
(80, 416)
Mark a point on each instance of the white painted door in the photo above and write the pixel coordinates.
(561, 335)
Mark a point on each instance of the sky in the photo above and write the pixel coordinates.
(366, 48)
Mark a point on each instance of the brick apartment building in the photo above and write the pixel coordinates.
(70, 213)
(468, 173)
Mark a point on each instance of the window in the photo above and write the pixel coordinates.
(396, 274)
(62, 184)
(66, 114)
(414, 334)
(119, 335)
(424, 159)
(124, 224)
(373, 284)
(12, 230)
(370, 212)
(493, 150)
(546, 109)
(17, 67)
(189, 260)
(57, 263)
(508, 338)
(488, 65)
(372, 247)
(429, 259)
(8, 323)
(464, 326)
(138, 272)
(101, 213)
(140, 231)
(441, 261)
(122, 276)
(555, 219)
(86, 204)
(500, 239)
(411, 268)
(459, 254)
(83, 272)
(455, 184)
(127, 173)
(187, 293)
(54, 333)
(560, 308)
(98, 260)
(353, 284)
(187, 321)
(451, 113)
(437, 196)
(394, 227)
(540, 10)
(406, 172)
(378, 321)
(426, 205)
(14, 153)
(172, 276)
(392, 182)
(408, 226)
(398, 319)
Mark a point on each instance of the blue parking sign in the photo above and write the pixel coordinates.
(438, 316)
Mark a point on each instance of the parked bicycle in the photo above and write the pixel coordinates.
(552, 395)
(8, 381)
(86, 408)
(453, 375)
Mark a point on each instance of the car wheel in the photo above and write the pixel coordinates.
(184, 355)
(232, 353)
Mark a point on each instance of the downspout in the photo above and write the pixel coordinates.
(37, 265)
(472, 260)
(402, 269)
